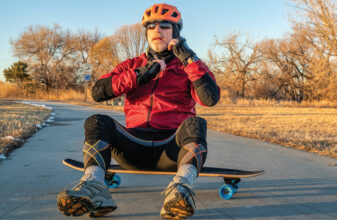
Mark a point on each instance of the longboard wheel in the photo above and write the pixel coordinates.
(236, 188)
(114, 183)
(233, 182)
(226, 191)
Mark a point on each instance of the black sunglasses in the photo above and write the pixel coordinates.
(162, 25)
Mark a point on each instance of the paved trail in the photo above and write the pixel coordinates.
(296, 185)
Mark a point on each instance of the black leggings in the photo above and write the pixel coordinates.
(145, 148)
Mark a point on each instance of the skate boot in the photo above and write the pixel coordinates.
(83, 197)
(179, 201)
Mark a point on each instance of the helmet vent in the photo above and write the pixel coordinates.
(174, 14)
(156, 9)
(148, 13)
(164, 11)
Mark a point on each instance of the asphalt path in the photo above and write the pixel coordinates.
(296, 185)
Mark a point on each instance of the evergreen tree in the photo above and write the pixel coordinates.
(17, 73)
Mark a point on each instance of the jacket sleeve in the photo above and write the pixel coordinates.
(123, 78)
(204, 89)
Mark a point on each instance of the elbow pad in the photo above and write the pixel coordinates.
(207, 90)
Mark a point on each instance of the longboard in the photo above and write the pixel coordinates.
(206, 171)
(230, 176)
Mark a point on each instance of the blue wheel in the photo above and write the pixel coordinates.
(233, 182)
(236, 188)
(114, 182)
(226, 191)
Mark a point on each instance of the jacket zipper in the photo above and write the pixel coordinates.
(150, 109)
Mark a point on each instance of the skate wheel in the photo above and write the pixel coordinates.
(114, 183)
(233, 182)
(236, 187)
(226, 191)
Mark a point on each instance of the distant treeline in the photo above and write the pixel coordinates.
(300, 66)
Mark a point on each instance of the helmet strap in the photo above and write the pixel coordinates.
(176, 31)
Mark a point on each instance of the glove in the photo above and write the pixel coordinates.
(146, 73)
(183, 52)
(102, 90)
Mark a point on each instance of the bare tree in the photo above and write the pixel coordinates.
(320, 20)
(238, 63)
(317, 23)
(300, 66)
(103, 56)
(45, 50)
(266, 85)
(291, 59)
(130, 41)
(83, 41)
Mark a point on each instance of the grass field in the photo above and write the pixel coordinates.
(303, 128)
(19, 121)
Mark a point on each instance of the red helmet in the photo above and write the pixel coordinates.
(162, 12)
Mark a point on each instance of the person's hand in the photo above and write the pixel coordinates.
(102, 90)
(182, 51)
(172, 42)
(146, 73)
(162, 64)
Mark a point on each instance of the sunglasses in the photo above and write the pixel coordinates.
(162, 25)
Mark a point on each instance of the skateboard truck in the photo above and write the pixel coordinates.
(112, 180)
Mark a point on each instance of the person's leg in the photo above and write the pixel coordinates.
(90, 195)
(106, 138)
(140, 147)
(189, 151)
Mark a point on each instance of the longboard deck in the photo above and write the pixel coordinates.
(206, 171)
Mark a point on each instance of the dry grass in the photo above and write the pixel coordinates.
(225, 101)
(12, 91)
(309, 129)
(19, 121)
(9, 90)
(310, 126)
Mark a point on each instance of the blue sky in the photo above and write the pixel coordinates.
(203, 19)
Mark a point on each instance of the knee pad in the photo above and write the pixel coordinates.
(193, 129)
(96, 153)
(94, 122)
(99, 127)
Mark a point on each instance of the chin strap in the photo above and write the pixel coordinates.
(166, 55)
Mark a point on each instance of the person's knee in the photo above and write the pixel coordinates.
(99, 127)
(193, 129)
(94, 121)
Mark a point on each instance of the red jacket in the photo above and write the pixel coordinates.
(164, 102)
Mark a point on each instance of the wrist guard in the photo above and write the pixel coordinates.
(146, 73)
(183, 52)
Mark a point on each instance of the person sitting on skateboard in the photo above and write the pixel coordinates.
(161, 87)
